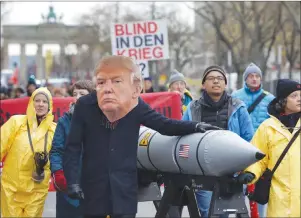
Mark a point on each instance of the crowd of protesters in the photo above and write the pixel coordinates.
(267, 121)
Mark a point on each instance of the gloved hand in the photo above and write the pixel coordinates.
(245, 177)
(203, 127)
(59, 180)
(75, 192)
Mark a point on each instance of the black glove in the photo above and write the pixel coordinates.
(203, 127)
(245, 178)
(75, 192)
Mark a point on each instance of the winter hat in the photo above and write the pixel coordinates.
(285, 87)
(252, 68)
(148, 78)
(176, 76)
(214, 68)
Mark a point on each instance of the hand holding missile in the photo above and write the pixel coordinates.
(246, 177)
(203, 127)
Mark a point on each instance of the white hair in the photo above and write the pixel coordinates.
(123, 62)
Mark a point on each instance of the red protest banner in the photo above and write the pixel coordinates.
(167, 103)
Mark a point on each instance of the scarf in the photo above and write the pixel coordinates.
(215, 105)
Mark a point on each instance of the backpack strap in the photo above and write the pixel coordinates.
(286, 150)
(256, 102)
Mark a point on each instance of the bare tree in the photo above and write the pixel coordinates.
(180, 37)
(247, 29)
(294, 10)
(291, 40)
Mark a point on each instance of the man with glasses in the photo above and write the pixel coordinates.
(217, 108)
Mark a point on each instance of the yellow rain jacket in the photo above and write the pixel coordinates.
(20, 195)
(271, 138)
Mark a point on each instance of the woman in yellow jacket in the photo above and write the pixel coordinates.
(272, 137)
(25, 142)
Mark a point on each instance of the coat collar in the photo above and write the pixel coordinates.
(248, 90)
(279, 127)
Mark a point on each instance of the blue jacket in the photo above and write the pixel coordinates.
(239, 121)
(260, 113)
(58, 148)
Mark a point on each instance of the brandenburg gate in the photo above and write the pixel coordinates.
(50, 31)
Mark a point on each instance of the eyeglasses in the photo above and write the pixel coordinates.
(212, 78)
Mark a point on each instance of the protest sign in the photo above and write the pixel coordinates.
(143, 40)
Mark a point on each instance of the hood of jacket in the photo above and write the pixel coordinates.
(31, 115)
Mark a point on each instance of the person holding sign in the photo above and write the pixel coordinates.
(105, 127)
(26, 142)
(177, 84)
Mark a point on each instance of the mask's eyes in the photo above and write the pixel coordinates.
(117, 81)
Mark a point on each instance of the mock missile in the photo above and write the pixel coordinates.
(213, 153)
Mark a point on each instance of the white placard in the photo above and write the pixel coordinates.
(142, 40)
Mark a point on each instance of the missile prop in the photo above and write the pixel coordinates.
(213, 153)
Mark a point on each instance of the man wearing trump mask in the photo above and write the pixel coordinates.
(105, 125)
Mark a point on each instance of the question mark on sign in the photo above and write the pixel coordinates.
(142, 65)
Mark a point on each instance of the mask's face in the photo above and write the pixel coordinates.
(41, 105)
(293, 104)
(116, 90)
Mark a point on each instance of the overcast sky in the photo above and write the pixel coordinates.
(30, 13)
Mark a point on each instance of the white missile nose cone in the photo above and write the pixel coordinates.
(225, 153)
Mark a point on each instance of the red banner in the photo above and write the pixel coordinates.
(167, 103)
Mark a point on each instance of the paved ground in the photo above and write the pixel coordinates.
(145, 209)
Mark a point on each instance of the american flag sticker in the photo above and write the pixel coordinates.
(184, 151)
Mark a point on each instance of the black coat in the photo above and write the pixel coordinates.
(109, 164)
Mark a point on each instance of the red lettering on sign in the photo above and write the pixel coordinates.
(142, 53)
(119, 30)
(136, 28)
(121, 52)
(152, 27)
(157, 52)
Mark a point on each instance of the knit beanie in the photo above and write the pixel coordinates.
(285, 87)
(176, 76)
(213, 68)
(252, 68)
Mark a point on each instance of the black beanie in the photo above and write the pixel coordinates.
(214, 68)
(285, 87)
